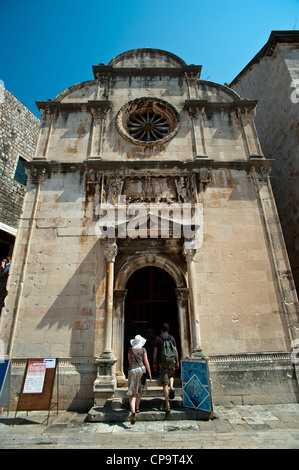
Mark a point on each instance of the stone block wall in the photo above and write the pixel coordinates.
(273, 81)
(19, 130)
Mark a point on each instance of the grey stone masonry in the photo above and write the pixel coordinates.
(18, 137)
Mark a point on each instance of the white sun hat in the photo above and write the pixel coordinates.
(138, 341)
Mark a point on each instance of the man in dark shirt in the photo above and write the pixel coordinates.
(167, 371)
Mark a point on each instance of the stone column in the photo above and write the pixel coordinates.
(189, 253)
(97, 127)
(48, 118)
(246, 116)
(182, 295)
(110, 253)
(105, 382)
(201, 146)
(98, 110)
(118, 333)
(192, 78)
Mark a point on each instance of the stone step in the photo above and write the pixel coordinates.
(153, 390)
(98, 414)
(147, 403)
(155, 383)
(152, 408)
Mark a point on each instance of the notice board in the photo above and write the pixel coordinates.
(196, 384)
(38, 384)
(5, 367)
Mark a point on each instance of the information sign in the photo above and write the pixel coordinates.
(38, 384)
(35, 377)
(196, 384)
(5, 367)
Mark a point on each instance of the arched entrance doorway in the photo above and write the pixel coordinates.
(181, 325)
(150, 301)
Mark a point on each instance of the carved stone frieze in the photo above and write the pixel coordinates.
(113, 188)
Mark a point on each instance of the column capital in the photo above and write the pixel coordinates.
(189, 251)
(110, 252)
(35, 175)
(182, 293)
(120, 294)
(98, 113)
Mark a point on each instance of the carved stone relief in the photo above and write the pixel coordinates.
(144, 189)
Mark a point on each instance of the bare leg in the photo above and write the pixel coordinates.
(171, 382)
(166, 395)
(132, 402)
(138, 399)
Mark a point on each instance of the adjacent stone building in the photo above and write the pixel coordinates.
(135, 147)
(272, 77)
(19, 130)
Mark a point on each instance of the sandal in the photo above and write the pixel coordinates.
(137, 410)
(133, 418)
(167, 410)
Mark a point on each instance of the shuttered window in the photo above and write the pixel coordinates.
(20, 174)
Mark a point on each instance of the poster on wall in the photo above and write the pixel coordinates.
(5, 371)
(196, 384)
(35, 377)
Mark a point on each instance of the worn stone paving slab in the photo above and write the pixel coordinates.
(247, 427)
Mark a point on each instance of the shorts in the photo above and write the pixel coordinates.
(167, 371)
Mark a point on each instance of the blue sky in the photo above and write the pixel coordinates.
(47, 46)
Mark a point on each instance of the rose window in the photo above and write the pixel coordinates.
(147, 121)
(148, 126)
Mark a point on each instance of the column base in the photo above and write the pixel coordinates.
(105, 384)
(199, 354)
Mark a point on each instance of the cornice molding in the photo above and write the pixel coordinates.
(73, 106)
(170, 166)
(225, 105)
(106, 70)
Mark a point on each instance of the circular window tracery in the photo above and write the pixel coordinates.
(147, 121)
(148, 126)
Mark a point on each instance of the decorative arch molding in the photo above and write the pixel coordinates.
(148, 51)
(140, 261)
(225, 89)
(63, 94)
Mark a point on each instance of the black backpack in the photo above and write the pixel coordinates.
(168, 351)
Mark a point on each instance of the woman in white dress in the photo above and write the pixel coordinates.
(138, 364)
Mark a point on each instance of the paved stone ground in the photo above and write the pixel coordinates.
(238, 427)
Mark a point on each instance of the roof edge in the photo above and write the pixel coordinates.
(268, 49)
(129, 53)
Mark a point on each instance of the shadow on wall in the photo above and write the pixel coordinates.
(72, 319)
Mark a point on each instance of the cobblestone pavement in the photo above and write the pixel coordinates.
(237, 427)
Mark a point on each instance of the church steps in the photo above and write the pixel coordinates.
(152, 408)
(97, 414)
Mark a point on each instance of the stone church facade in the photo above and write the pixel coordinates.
(147, 135)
